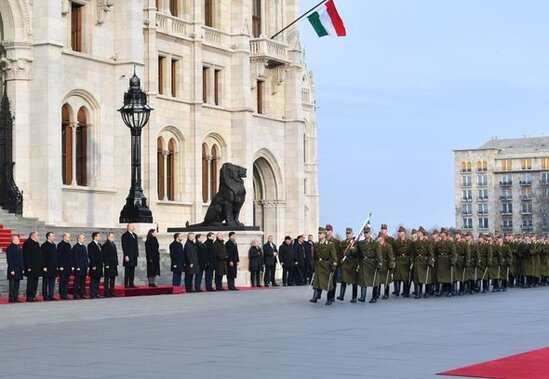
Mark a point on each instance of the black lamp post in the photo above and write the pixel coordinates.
(135, 114)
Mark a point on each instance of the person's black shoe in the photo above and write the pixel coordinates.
(275, 285)
(45, 298)
(329, 302)
(353, 301)
(373, 300)
(210, 290)
(52, 298)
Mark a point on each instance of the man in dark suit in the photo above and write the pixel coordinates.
(191, 262)
(270, 258)
(308, 248)
(14, 256)
(209, 263)
(299, 263)
(130, 248)
(201, 252)
(32, 258)
(49, 264)
(96, 264)
(232, 261)
(64, 265)
(110, 259)
(178, 259)
(80, 264)
(220, 261)
(287, 261)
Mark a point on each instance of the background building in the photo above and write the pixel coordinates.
(503, 186)
(220, 88)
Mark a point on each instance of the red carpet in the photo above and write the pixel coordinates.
(532, 364)
(139, 291)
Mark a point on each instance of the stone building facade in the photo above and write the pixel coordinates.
(221, 89)
(503, 186)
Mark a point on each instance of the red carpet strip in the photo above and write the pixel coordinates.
(532, 364)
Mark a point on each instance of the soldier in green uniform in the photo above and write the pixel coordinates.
(388, 264)
(369, 266)
(471, 270)
(402, 248)
(446, 257)
(544, 253)
(483, 262)
(505, 261)
(462, 263)
(339, 252)
(434, 288)
(349, 265)
(423, 261)
(325, 263)
(494, 271)
(536, 271)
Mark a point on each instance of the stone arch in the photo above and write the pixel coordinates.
(173, 144)
(16, 20)
(268, 193)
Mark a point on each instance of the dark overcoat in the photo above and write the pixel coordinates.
(130, 248)
(32, 258)
(232, 256)
(177, 257)
(152, 252)
(14, 256)
(110, 259)
(96, 260)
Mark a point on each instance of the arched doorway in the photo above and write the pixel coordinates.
(266, 195)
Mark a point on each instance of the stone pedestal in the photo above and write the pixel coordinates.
(244, 239)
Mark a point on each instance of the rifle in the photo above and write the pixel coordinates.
(352, 244)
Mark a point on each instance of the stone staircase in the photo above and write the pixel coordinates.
(25, 225)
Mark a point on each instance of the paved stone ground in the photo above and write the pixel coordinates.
(266, 334)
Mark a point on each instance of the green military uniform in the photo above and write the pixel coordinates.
(536, 258)
(544, 261)
(325, 262)
(494, 270)
(483, 262)
(505, 264)
(388, 264)
(424, 261)
(463, 262)
(350, 263)
(446, 257)
(370, 264)
(402, 248)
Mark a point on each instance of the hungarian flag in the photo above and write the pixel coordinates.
(327, 21)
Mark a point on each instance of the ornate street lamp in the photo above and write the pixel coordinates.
(135, 114)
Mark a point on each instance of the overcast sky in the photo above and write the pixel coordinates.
(413, 80)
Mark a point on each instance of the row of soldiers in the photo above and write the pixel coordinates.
(439, 265)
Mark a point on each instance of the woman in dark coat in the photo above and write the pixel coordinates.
(255, 265)
(153, 257)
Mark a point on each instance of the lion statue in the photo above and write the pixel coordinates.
(228, 201)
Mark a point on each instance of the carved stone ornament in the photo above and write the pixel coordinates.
(103, 7)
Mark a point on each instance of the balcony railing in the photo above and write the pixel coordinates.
(527, 227)
(506, 227)
(466, 213)
(526, 212)
(506, 212)
(171, 25)
(274, 52)
(482, 198)
(507, 183)
(525, 183)
(526, 197)
(466, 199)
(506, 197)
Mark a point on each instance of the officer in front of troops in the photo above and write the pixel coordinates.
(370, 264)
(325, 262)
(423, 261)
(349, 265)
(402, 248)
(463, 262)
(337, 275)
(445, 257)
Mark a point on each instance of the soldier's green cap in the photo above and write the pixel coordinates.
(443, 231)
(329, 227)
(367, 230)
(414, 231)
(435, 232)
(321, 230)
(383, 226)
(458, 231)
(349, 230)
(422, 230)
(480, 235)
(402, 229)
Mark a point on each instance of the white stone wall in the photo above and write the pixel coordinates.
(43, 73)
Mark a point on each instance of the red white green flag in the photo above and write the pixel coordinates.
(327, 21)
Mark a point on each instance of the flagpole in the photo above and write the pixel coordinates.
(299, 18)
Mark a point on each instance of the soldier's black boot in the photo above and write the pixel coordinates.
(394, 288)
(504, 285)
(397, 288)
(342, 288)
(316, 295)
(374, 295)
(406, 292)
(438, 291)
(355, 293)
(386, 293)
(495, 283)
(427, 291)
(417, 289)
(363, 291)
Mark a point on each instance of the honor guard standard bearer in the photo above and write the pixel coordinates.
(325, 263)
